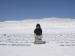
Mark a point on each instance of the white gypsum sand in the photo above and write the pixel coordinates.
(59, 35)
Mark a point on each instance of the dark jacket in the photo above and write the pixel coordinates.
(38, 30)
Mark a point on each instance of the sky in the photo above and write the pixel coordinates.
(26, 9)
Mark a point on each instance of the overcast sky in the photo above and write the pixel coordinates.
(21, 9)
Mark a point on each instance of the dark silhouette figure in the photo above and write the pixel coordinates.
(38, 35)
(38, 30)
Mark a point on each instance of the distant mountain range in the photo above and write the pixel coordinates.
(51, 18)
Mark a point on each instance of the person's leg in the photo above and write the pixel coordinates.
(38, 39)
(41, 37)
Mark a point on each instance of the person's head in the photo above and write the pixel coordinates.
(38, 26)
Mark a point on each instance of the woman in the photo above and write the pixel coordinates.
(38, 34)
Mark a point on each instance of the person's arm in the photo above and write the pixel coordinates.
(35, 31)
(41, 31)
